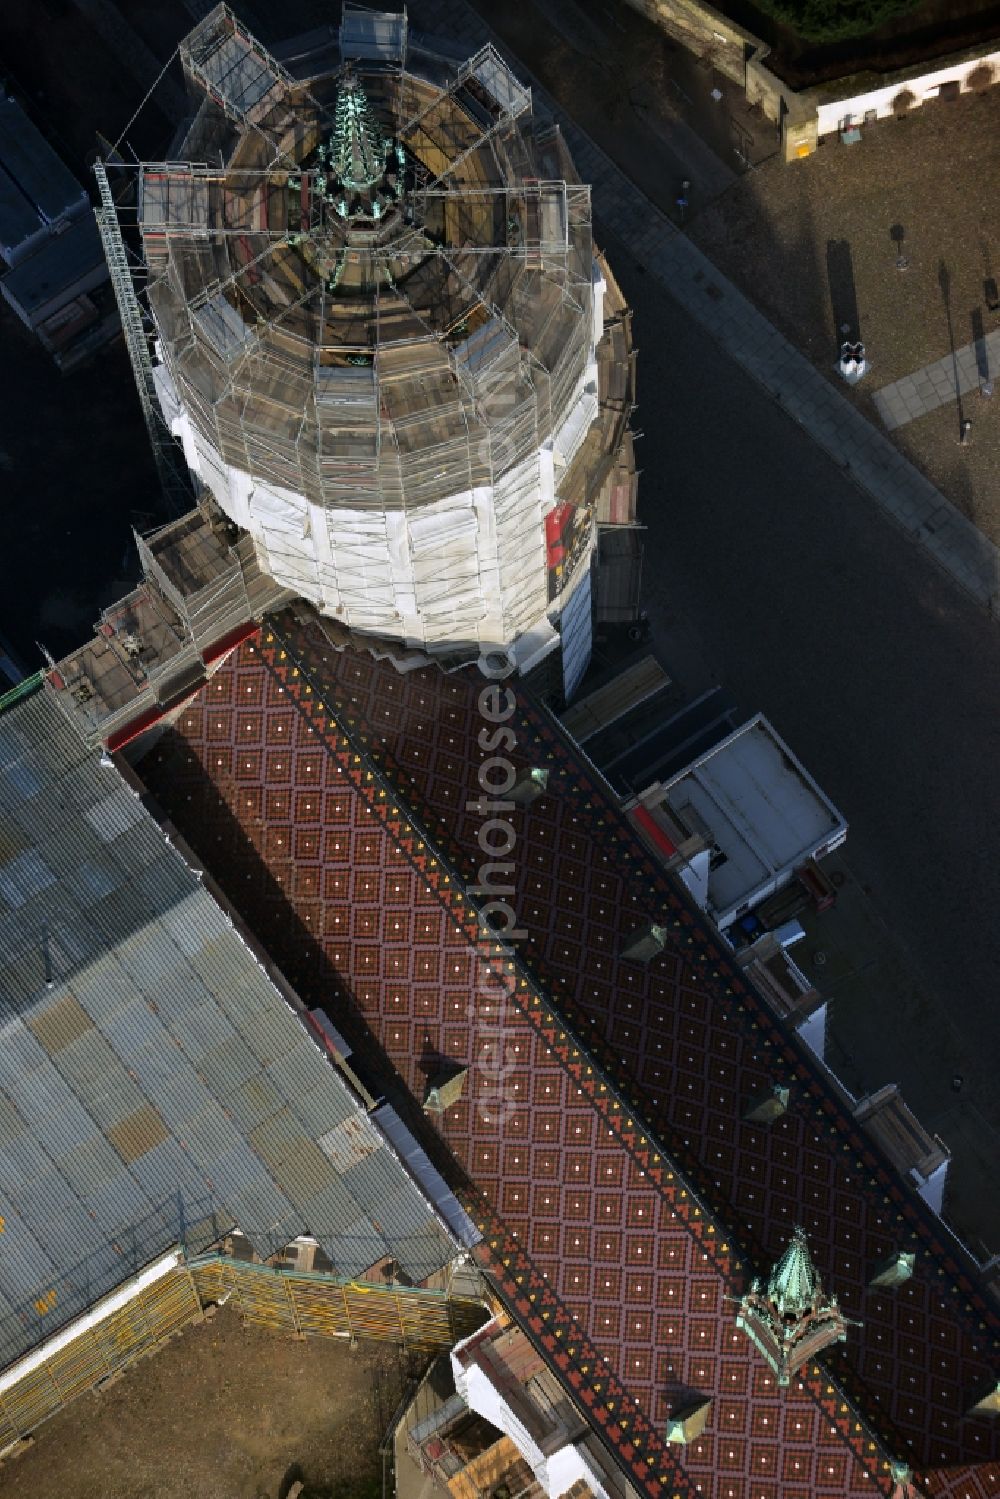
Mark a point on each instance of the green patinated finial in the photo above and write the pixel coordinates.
(357, 149)
(792, 1285)
(792, 1320)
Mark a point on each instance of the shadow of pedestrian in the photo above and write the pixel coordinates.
(293, 1475)
(982, 352)
(944, 282)
(843, 291)
(897, 234)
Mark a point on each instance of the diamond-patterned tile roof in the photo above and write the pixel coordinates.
(600, 1138)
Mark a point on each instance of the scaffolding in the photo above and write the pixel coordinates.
(100, 1347)
(176, 491)
(151, 649)
(382, 372)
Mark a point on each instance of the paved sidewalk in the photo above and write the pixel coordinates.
(901, 491)
(939, 383)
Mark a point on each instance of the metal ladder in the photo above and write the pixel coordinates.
(176, 491)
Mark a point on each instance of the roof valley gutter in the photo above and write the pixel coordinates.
(22, 690)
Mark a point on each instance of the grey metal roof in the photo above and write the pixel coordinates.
(56, 269)
(154, 1085)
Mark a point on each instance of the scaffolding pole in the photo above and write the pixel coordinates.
(176, 491)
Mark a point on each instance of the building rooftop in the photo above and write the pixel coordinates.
(59, 264)
(36, 188)
(761, 811)
(155, 1085)
(624, 1196)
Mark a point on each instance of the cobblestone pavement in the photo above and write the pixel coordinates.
(938, 384)
(896, 486)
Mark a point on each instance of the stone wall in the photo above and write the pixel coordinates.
(703, 31)
(850, 101)
(808, 114)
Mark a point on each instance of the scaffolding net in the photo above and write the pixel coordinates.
(374, 294)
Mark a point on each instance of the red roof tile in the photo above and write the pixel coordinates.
(287, 775)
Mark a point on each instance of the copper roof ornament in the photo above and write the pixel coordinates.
(358, 148)
(791, 1320)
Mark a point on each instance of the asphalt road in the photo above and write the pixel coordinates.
(768, 571)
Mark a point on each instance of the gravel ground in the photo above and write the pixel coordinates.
(227, 1411)
(921, 187)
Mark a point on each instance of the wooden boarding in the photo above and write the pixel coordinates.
(610, 702)
(500, 1463)
(316, 1305)
(306, 1305)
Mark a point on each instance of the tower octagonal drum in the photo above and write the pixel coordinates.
(386, 341)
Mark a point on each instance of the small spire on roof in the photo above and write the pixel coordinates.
(902, 1477)
(793, 1281)
(357, 150)
(792, 1320)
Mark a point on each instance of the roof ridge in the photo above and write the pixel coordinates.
(511, 964)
